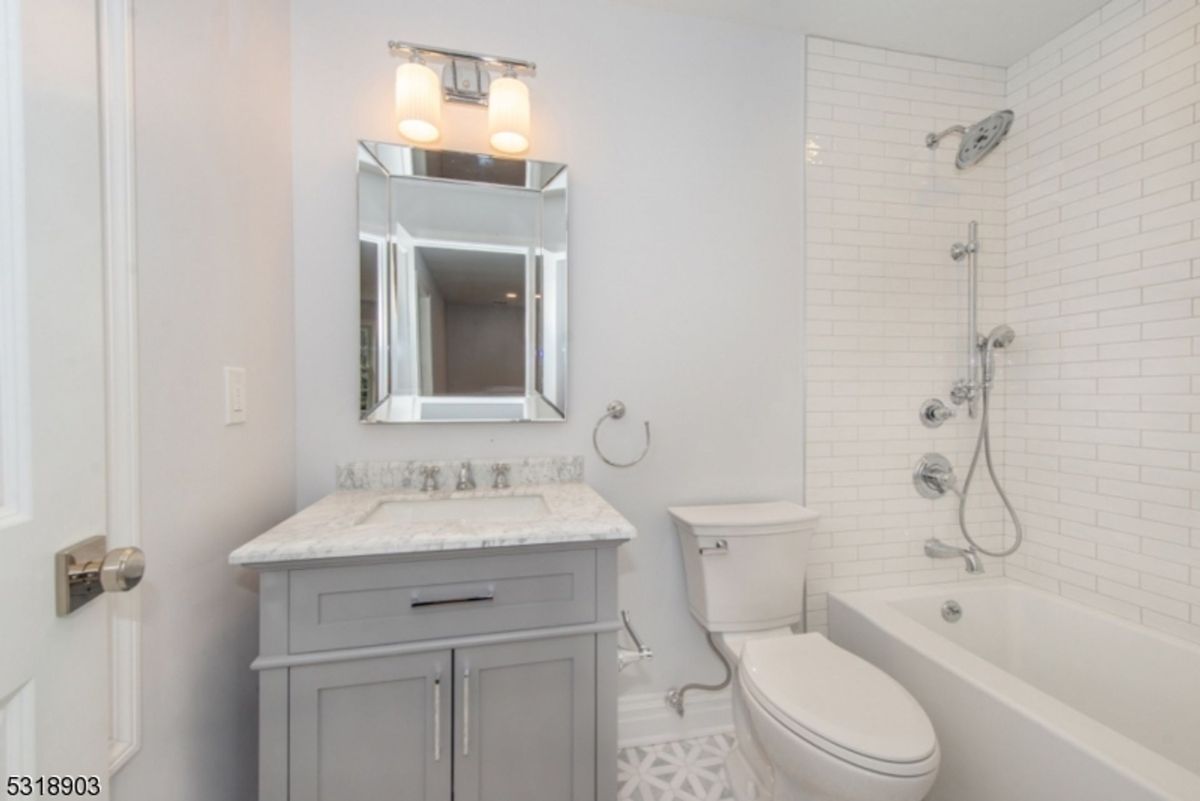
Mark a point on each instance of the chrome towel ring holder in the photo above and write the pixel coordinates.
(616, 410)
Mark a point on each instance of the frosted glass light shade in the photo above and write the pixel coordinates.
(508, 115)
(418, 102)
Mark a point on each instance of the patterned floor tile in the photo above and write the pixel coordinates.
(686, 770)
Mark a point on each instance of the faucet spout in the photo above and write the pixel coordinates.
(940, 550)
(974, 563)
(466, 479)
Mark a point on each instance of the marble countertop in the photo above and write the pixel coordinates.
(333, 527)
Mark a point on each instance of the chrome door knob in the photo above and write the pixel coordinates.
(122, 569)
(88, 569)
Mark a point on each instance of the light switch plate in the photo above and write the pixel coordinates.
(235, 395)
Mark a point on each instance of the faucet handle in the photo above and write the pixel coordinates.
(429, 474)
(500, 475)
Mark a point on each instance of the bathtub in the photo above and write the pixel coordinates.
(1035, 697)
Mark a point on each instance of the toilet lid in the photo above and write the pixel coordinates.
(743, 517)
(839, 702)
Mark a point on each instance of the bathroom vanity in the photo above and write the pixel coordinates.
(428, 645)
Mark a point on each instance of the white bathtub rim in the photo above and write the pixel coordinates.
(974, 585)
(1139, 764)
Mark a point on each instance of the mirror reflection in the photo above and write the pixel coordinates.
(462, 281)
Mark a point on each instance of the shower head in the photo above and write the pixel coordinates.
(1000, 337)
(978, 140)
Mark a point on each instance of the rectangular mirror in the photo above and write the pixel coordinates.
(463, 286)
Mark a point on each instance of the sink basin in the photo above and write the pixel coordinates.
(505, 508)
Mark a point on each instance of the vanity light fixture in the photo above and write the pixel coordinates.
(418, 101)
(466, 78)
(508, 114)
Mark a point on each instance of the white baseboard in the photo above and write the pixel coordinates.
(645, 718)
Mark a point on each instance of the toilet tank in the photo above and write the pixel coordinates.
(744, 563)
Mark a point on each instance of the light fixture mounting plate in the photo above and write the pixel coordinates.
(466, 81)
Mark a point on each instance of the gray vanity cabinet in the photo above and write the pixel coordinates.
(371, 728)
(485, 675)
(528, 727)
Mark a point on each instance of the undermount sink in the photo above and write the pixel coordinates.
(505, 508)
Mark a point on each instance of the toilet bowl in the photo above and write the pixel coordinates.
(812, 721)
(817, 723)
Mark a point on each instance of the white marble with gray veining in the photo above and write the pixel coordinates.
(406, 474)
(332, 527)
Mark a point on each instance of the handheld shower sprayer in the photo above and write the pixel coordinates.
(935, 478)
(1000, 337)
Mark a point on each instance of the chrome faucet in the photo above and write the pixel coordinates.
(937, 549)
(466, 481)
(429, 477)
(500, 476)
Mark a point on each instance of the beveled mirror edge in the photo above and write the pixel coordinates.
(413, 167)
(552, 171)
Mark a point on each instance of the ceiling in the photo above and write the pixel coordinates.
(996, 32)
(476, 277)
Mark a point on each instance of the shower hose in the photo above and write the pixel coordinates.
(984, 443)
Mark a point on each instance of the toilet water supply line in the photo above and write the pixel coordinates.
(675, 694)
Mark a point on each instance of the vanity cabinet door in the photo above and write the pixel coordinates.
(525, 721)
(371, 729)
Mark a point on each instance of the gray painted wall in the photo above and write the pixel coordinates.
(485, 347)
(214, 254)
(685, 142)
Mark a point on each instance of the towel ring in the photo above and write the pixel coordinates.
(616, 410)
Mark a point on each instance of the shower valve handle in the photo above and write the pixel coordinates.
(934, 476)
(934, 412)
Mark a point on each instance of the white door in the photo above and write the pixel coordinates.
(54, 672)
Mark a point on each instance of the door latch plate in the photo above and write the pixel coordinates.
(88, 568)
(77, 573)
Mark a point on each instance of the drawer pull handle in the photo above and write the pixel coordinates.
(416, 603)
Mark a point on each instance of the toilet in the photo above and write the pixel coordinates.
(813, 722)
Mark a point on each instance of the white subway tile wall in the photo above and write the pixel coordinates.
(886, 307)
(1103, 287)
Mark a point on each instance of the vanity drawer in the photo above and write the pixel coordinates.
(396, 602)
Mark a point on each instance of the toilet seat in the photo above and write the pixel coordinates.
(840, 703)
